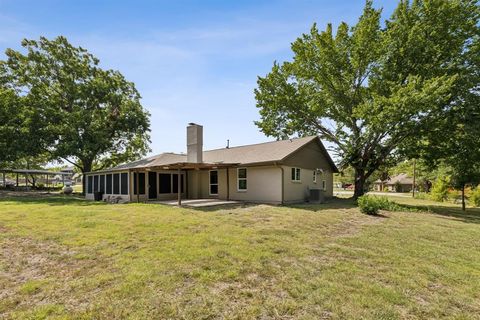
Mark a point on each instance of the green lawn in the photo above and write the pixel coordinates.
(67, 258)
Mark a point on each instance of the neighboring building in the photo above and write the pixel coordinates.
(273, 172)
(398, 183)
(72, 177)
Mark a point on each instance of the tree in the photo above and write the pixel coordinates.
(86, 115)
(368, 89)
(17, 131)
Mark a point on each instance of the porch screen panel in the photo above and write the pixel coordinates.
(165, 182)
(124, 184)
(95, 183)
(141, 181)
(102, 183)
(90, 184)
(109, 184)
(116, 183)
(175, 183)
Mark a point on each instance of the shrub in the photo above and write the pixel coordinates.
(368, 205)
(475, 197)
(440, 190)
(372, 204)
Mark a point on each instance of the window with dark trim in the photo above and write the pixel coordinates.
(90, 184)
(213, 182)
(124, 184)
(165, 183)
(109, 184)
(102, 183)
(95, 183)
(141, 181)
(116, 183)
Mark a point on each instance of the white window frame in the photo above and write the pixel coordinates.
(241, 179)
(210, 184)
(324, 185)
(298, 175)
(314, 176)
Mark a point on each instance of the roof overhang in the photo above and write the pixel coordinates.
(187, 166)
(34, 171)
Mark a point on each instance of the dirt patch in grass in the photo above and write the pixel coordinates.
(36, 273)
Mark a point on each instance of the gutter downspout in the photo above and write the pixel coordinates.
(228, 185)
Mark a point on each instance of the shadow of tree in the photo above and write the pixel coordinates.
(47, 199)
(333, 203)
(471, 215)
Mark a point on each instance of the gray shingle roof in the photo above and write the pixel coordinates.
(274, 151)
(402, 178)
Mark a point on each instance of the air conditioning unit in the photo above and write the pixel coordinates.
(317, 196)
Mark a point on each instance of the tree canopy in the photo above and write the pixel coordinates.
(370, 89)
(75, 110)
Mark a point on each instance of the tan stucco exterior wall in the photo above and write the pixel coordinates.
(264, 184)
(299, 191)
(309, 158)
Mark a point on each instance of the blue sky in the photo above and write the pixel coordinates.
(192, 61)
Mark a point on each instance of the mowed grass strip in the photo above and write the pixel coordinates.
(68, 258)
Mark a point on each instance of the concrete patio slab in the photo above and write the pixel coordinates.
(198, 203)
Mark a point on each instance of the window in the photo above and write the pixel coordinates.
(296, 174)
(241, 179)
(116, 183)
(102, 183)
(141, 182)
(314, 176)
(213, 182)
(109, 184)
(124, 184)
(165, 181)
(95, 183)
(324, 185)
(89, 184)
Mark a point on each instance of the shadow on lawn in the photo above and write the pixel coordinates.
(48, 199)
(334, 203)
(471, 215)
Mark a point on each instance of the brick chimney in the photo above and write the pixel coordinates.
(194, 143)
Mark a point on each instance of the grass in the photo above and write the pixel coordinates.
(66, 258)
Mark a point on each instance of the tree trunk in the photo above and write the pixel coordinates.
(359, 183)
(463, 197)
(86, 167)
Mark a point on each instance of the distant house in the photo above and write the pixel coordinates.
(73, 177)
(274, 172)
(398, 183)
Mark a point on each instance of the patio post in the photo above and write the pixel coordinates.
(47, 182)
(179, 189)
(138, 188)
(17, 180)
(4, 181)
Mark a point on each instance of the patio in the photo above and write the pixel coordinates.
(198, 203)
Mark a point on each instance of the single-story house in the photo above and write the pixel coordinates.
(276, 172)
(398, 183)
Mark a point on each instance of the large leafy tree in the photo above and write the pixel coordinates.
(369, 89)
(82, 113)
